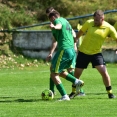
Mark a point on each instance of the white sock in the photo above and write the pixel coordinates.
(76, 81)
(65, 95)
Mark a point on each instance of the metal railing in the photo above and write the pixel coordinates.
(45, 23)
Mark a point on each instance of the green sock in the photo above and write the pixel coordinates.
(81, 90)
(61, 89)
(72, 73)
(70, 78)
(52, 85)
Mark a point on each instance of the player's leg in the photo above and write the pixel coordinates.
(51, 83)
(99, 64)
(55, 70)
(106, 79)
(61, 61)
(77, 73)
(81, 92)
(71, 71)
(81, 63)
(60, 87)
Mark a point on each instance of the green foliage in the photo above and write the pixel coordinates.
(21, 19)
(5, 21)
(15, 13)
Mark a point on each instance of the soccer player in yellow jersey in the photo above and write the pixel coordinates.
(90, 50)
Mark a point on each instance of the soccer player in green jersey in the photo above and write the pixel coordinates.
(65, 55)
(53, 47)
(90, 50)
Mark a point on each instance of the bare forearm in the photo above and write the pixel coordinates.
(54, 45)
(73, 33)
(58, 26)
(80, 33)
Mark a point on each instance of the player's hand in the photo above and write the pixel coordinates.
(116, 52)
(52, 25)
(75, 47)
(48, 57)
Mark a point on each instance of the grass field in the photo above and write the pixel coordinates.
(20, 92)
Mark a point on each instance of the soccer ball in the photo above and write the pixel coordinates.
(47, 94)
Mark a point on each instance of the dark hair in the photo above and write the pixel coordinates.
(98, 12)
(49, 10)
(54, 13)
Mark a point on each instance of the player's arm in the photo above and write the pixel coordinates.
(113, 34)
(73, 33)
(78, 35)
(53, 47)
(57, 26)
(74, 36)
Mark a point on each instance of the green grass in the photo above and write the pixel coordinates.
(20, 92)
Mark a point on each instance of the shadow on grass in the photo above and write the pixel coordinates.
(10, 99)
(96, 93)
(93, 96)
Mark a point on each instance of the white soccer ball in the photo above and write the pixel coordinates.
(47, 94)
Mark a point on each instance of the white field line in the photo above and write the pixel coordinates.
(24, 72)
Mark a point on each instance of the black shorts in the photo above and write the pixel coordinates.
(83, 60)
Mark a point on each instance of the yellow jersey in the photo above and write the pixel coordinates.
(95, 36)
(79, 27)
(115, 26)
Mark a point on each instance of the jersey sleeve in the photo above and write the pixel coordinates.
(85, 26)
(113, 32)
(115, 26)
(57, 21)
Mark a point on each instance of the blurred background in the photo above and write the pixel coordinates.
(15, 14)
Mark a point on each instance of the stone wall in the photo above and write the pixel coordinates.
(109, 55)
(36, 44)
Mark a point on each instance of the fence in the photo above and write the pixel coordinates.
(36, 44)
